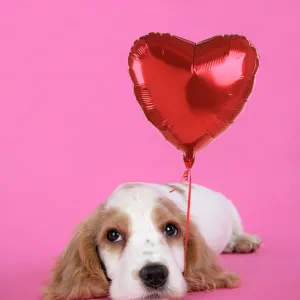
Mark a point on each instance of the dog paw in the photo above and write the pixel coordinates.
(245, 243)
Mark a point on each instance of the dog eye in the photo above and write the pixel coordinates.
(114, 236)
(170, 230)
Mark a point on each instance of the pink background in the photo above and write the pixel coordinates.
(64, 87)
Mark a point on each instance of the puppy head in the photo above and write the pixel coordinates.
(133, 248)
(147, 258)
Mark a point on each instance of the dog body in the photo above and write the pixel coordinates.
(215, 217)
(132, 247)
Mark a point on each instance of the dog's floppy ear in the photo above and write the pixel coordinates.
(78, 273)
(202, 269)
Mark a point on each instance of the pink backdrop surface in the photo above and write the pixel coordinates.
(71, 131)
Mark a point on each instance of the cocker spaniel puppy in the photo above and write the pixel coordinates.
(132, 247)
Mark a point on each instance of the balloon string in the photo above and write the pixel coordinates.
(187, 177)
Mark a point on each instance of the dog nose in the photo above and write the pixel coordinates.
(154, 275)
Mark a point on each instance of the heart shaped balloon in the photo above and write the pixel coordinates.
(191, 91)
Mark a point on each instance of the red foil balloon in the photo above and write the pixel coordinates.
(192, 92)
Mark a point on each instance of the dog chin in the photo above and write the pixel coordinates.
(153, 296)
(158, 296)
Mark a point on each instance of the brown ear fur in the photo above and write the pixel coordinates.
(202, 270)
(77, 273)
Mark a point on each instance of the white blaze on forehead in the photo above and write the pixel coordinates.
(138, 201)
(135, 199)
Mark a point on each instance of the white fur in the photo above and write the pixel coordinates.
(214, 215)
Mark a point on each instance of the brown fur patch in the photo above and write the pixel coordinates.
(177, 188)
(113, 220)
(165, 212)
(129, 186)
(77, 273)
